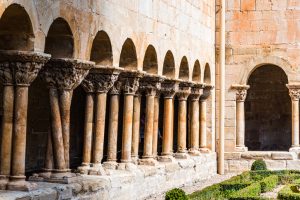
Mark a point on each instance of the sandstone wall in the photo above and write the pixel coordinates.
(258, 32)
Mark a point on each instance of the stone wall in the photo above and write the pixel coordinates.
(129, 182)
(258, 32)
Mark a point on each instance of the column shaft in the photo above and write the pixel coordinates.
(7, 129)
(182, 111)
(56, 130)
(113, 128)
(88, 130)
(19, 142)
(240, 124)
(149, 126)
(65, 106)
(167, 129)
(99, 127)
(136, 127)
(295, 123)
(194, 126)
(155, 126)
(203, 136)
(49, 162)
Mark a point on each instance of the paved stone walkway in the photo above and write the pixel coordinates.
(197, 186)
(272, 194)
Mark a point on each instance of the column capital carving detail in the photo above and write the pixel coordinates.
(151, 84)
(196, 91)
(66, 74)
(184, 91)
(294, 91)
(130, 81)
(241, 92)
(20, 67)
(169, 87)
(206, 92)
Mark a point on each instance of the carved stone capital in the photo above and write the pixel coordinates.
(100, 80)
(151, 84)
(241, 92)
(196, 91)
(66, 74)
(20, 67)
(206, 92)
(169, 87)
(294, 91)
(116, 88)
(184, 91)
(130, 81)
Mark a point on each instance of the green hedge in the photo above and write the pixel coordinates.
(268, 183)
(251, 192)
(212, 192)
(258, 165)
(286, 193)
(176, 194)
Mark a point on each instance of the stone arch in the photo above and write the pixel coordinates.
(150, 60)
(101, 52)
(207, 74)
(60, 40)
(128, 57)
(268, 110)
(16, 31)
(196, 76)
(184, 69)
(169, 65)
(250, 65)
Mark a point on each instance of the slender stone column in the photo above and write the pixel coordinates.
(7, 123)
(183, 93)
(136, 127)
(169, 88)
(113, 126)
(130, 80)
(150, 84)
(63, 76)
(22, 69)
(194, 103)
(155, 125)
(203, 135)
(241, 93)
(294, 91)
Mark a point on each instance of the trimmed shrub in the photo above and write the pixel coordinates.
(176, 194)
(288, 178)
(212, 192)
(251, 192)
(286, 193)
(258, 165)
(267, 184)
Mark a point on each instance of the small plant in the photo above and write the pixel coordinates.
(176, 194)
(258, 165)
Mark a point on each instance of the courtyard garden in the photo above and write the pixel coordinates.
(257, 184)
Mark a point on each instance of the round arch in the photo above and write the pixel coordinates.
(184, 69)
(16, 31)
(101, 51)
(128, 57)
(207, 74)
(60, 40)
(196, 76)
(150, 60)
(169, 65)
(268, 110)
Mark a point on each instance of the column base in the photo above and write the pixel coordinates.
(295, 149)
(127, 166)
(63, 177)
(3, 182)
(181, 155)
(204, 150)
(97, 169)
(166, 158)
(241, 148)
(148, 161)
(110, 165)
(194, 152)
(18, 183)
(84, 169)
(134, 159)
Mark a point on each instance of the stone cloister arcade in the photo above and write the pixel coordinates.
(61, 113)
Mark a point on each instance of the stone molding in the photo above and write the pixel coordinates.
(294, 91)
(196, 91)
(20, 67)
(184, 91)
(169, 87)
(241, 92)
(130, 81)
(100, 80)
(65, 73)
